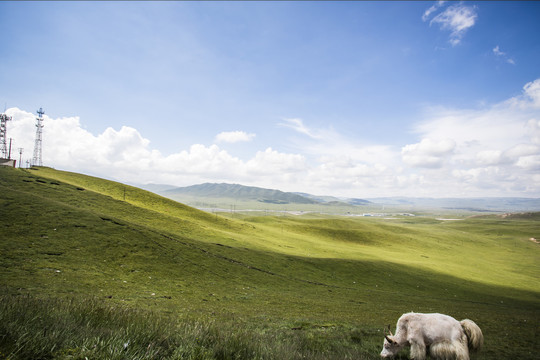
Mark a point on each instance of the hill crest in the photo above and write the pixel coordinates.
(241, 192)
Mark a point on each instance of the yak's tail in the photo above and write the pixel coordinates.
(474, 334)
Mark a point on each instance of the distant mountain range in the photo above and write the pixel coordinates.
(248, 193)
(335, 200)
(496, 204)
(239, 192)
(270, 196)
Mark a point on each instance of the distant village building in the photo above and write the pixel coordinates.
(7, 162)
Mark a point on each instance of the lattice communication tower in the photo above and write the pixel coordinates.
(37, 161)
(3, 137)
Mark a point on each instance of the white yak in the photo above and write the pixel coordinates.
(441, 335)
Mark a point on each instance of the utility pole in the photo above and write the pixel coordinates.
(37, 160)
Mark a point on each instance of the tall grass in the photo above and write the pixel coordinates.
(86, 328)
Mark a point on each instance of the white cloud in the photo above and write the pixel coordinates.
(120, 154)
(270, 162)
(520, 150)
(500, 54)
(456, 18)
(201, 160)
(491, 151)
(298, 125)
(432, 9)
(428, 153)
(127, 156)
(529, 99)
(533, 129)
(497, 148)
(489, 157)
(531, 91)
(234, 137)
(531, 162)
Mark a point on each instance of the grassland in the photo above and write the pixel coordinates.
(265, 208)
(127, 266)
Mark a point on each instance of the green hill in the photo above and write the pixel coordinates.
(324, 285)
(240, 193)
(247, 199)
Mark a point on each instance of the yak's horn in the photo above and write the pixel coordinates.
(389, 340)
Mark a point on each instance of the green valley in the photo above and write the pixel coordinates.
(171, 281)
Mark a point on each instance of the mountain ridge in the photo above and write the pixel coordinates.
(272, 196)
(240, 191)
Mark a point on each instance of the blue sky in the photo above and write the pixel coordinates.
(346, 98)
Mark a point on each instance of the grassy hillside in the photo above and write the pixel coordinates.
(329, 283)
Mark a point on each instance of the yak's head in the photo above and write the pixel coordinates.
(390, 346)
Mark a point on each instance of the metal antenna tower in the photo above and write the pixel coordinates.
(20, 156)
(3, 138)
(37, 161)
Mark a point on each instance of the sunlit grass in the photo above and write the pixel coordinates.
(251, 280)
